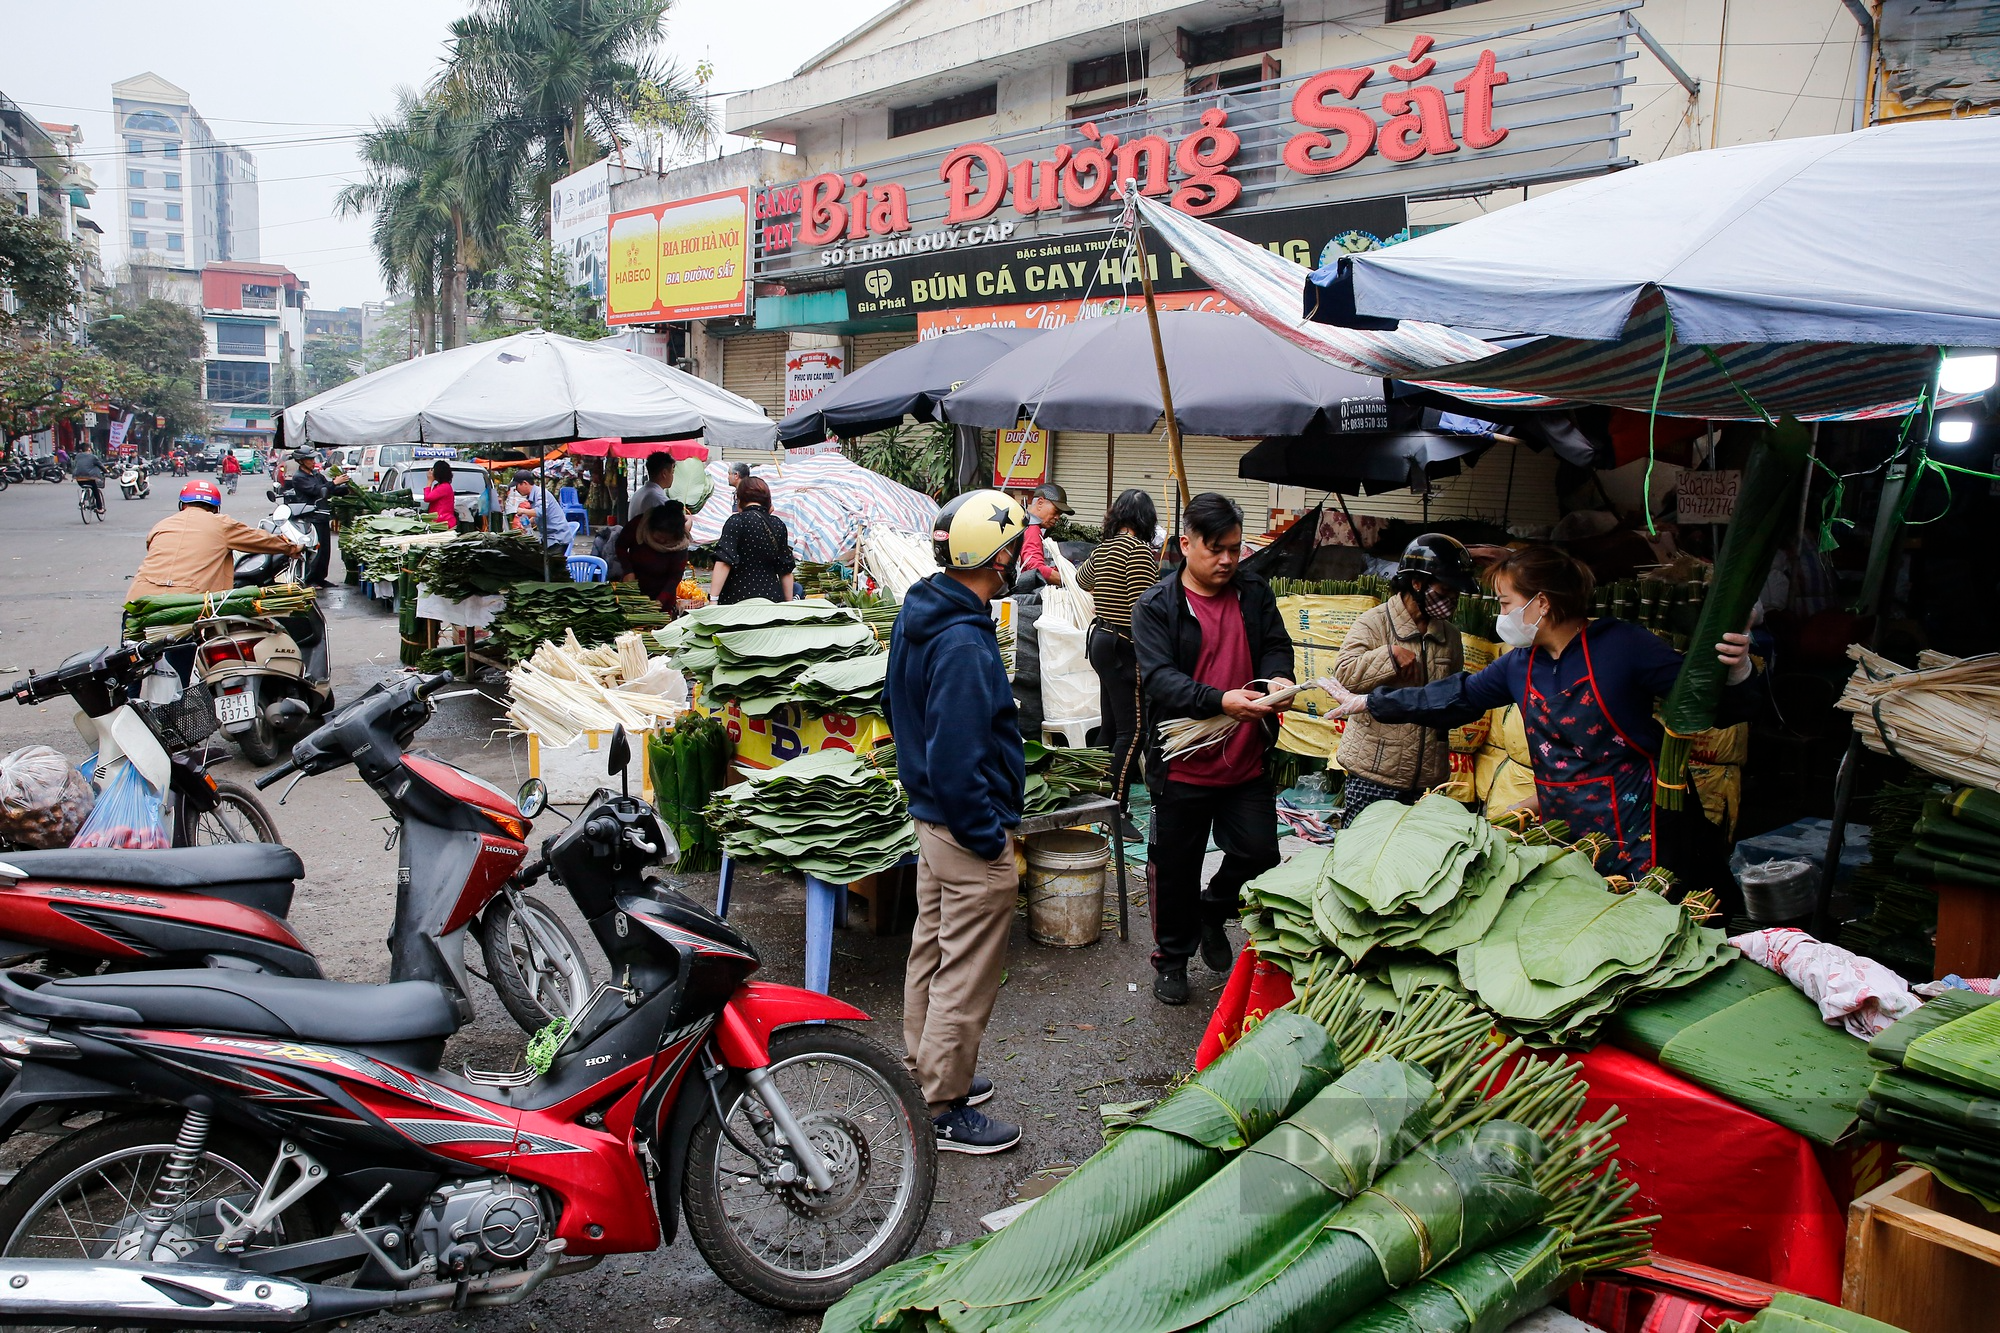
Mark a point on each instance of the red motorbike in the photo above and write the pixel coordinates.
(284, 1151)
(84, 910)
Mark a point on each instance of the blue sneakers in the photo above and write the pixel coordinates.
(962, 1129)
(981, 1091)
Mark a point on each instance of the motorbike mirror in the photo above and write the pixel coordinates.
(533, 798)
(619, 758)
(271, 494)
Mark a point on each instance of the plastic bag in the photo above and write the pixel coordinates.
(130, 813)
(691, 486)
(1069, 684)
(1852, 992)
(43, 801)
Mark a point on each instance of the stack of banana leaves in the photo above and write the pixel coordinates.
(1958, 840)
(171, 610)
(1329, 1171)
(1429, 894)
(756, 652)
(1898, 928)
(1789, 1312)
(828, 813)
(850, 685)
(1058, 775)
(596, 613)
(1938, 1091)
(479, 564)
(687, 762)
(350, 504)
(361, 545)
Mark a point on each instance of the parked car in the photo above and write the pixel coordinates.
(470, 482)
(375, 458)
(251, 460)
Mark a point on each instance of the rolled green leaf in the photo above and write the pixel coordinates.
(1440, 1202)
(1965, 1051)
(1767, 503)
(1278, 1066)
(1237, 1231)
(1482, 1293)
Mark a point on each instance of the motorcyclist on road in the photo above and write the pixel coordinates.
(88, 469)
(192, 551)
(232, 471)
(312, 488)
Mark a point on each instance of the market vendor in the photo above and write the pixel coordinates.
(652, 551)
(1586, 689)
(1047, 503)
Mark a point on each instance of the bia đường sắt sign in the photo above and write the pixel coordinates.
(688, 259)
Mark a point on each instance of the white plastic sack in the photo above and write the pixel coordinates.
(43, 801)
(1069, 684)
(1852, 992)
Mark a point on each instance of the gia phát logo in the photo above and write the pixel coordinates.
(877, 282)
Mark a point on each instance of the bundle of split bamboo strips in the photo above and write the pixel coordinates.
(1182, 736)
(1943, 717)
(565, 689)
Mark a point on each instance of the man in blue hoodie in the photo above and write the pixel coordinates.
(958, 753)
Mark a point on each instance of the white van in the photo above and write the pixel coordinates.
(376, 458)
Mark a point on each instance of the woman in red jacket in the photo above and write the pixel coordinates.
(440, 497)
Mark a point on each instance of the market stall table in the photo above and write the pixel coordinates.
(826, 904)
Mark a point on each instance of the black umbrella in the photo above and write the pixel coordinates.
(1230, 375)
(1361, 464)
(907, 382)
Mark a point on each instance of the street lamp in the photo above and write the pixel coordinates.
(1968, 370)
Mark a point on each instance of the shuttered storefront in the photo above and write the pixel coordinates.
(753, 365)
(874, 346)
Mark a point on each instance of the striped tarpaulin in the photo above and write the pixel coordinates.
(1812, 381)
(825, 500)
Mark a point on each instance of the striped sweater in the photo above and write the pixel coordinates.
(1116, 573)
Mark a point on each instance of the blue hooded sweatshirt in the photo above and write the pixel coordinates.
(958, 738)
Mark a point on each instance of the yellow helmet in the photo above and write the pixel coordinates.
(975, 527)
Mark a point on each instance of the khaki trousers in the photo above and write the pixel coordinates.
(965, 909)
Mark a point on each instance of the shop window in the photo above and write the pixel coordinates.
(1248, 38)
(1106, 106)
(135, 179)
(239, 382)
(173, 212)
(1414, 9)
(173, 180)
(239, 339)
(137, 208)
(173, 241)
(1087, 76)
(973, 105)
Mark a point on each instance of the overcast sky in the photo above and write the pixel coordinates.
(296, 82)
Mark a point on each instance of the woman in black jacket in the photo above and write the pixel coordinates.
(754, 556)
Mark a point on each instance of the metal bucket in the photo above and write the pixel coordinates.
(1066, 887)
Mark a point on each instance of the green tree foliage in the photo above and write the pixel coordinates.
(43, 382)
(328, 364)
(42, 270)
(918, 457)
(156, 348)
(532, 289)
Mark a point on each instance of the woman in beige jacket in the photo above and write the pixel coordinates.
(1408, 640)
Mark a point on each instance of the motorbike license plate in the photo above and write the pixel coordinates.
(235, 707)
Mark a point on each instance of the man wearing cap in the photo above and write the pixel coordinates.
(1046, 503)
(1408, 640)
(311, 489)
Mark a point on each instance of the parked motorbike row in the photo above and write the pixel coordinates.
(307, 1156)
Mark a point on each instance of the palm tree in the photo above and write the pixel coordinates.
(568, 77)
(443, 185)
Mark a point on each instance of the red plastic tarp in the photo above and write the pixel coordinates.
(1733, 1190)
(617, 448)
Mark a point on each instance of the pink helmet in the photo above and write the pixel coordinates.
(201, 491)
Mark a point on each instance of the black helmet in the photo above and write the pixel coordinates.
(1439, 558)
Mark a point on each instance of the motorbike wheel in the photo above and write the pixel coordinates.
(789, 1246)
(540, 974)
(259, 744)
(87, 1193)
(238, 817)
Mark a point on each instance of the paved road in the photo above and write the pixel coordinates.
(1066, 1020)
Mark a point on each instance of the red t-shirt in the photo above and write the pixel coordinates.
(1225, 664)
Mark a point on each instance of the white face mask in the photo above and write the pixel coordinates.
(1513, 628)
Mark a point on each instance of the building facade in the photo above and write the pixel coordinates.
(255, 319)
(40, 176)
(188, 198)
(956, 163)
(341, 328)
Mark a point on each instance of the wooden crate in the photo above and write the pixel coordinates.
(1922, 1257)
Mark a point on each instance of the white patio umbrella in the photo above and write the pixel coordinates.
(527, 388)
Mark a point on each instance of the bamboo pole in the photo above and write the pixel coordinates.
(1174, 463)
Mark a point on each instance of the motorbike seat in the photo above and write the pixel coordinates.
(299, 1008)
(259, 875)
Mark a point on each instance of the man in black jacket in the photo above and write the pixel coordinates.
(310, 488)
(1209, 640)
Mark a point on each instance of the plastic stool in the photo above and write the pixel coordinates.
(1075, 733)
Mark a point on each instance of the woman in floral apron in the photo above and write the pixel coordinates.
(1587, 690)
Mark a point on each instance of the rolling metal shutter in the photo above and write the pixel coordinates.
(753, 365)
(874, 346)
